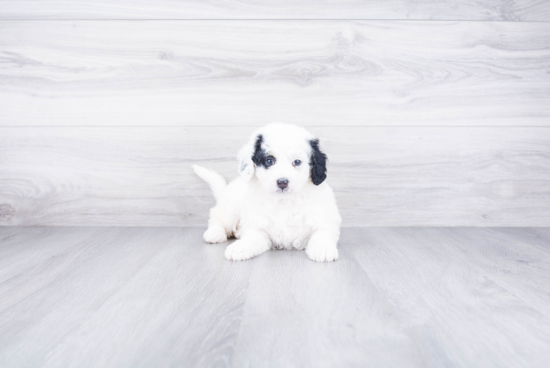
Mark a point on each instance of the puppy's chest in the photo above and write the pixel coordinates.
(288, 225)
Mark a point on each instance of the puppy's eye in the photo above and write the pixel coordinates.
(270, 161)
(297, 163)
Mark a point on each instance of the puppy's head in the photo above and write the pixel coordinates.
(283, 157)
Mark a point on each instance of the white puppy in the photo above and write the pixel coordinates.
(280, 200)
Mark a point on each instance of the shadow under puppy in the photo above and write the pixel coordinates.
(280, 199)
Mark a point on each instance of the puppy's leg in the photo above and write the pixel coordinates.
(216, 230)
(250, 245)
(322, 246)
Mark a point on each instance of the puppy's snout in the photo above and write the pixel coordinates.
(282, 183)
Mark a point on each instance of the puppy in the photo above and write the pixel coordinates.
(280, 199)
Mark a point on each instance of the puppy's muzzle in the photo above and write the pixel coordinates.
(282, 183)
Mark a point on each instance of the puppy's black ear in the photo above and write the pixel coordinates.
(318, 163)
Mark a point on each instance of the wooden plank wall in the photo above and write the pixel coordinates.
(502, 10)
(432, 113)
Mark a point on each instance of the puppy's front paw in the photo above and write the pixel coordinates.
(215, 234)
(241, 250)
(322, 252)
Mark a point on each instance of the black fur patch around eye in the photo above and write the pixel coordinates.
(318, 163)
(259, 155)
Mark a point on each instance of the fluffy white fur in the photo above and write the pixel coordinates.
(263, 216)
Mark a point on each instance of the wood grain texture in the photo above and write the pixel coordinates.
(160, 297)
(304, 314)
(504, 255)
(394, 176)
(524, 10)
(106, 290)
(456, 303)
(537, 237)
(314, 73)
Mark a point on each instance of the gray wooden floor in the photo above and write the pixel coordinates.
(157, 297)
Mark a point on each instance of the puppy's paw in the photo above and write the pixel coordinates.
(322, 252)
(241, 250)
(215, 234)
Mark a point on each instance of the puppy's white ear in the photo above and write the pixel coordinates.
(246, 154)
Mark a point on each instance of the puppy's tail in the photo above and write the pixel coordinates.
(216, 182)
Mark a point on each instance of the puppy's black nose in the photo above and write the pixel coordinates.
(282, 183)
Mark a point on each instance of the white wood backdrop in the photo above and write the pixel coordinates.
(504, 10)
(427, 122)
(351, 73)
